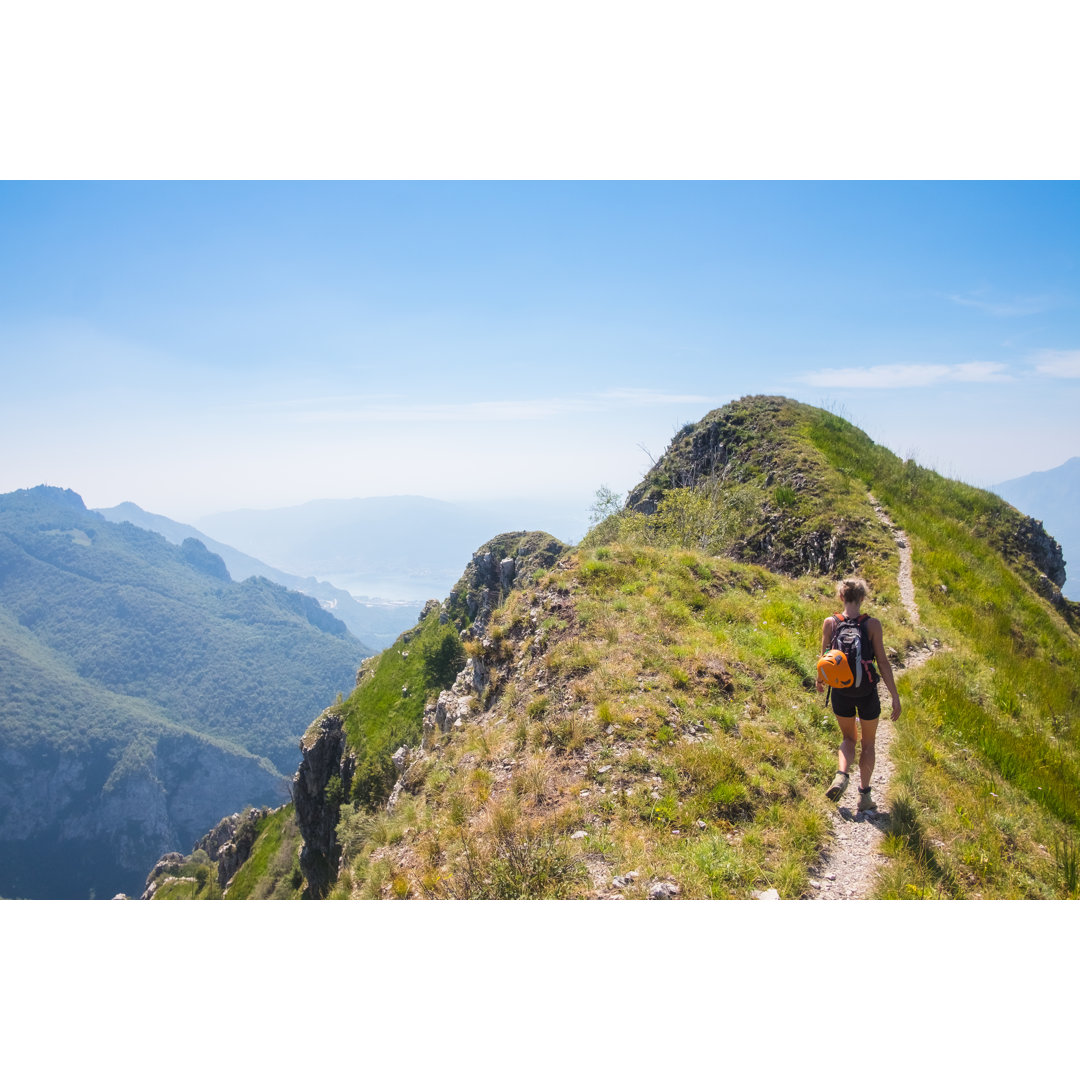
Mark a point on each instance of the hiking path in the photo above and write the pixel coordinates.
(849, 866)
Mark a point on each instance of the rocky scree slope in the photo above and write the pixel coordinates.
(636, 717)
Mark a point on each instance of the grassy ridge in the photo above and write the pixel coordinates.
(651, 715)
(666, 709)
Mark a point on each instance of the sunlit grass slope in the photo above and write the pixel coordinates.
(660, 701)
(650, 717)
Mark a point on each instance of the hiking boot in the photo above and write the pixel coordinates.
(837, 787)
(866, 800)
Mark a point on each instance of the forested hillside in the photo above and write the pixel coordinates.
(144, 693)
(374, 624)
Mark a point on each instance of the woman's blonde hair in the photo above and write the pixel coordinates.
(851, 590)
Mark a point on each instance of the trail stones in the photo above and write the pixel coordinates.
(767, 894)
(579, 835)
(664, 890)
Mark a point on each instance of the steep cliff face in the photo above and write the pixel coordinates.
(77, 823)
(323, 779)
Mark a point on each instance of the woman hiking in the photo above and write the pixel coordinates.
(859, 636)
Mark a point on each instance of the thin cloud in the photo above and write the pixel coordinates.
(1060, 363)
(1005, 309)
(907, 376)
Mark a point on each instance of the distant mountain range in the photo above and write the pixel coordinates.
(396, 547)
(1053, 497)
(143, 693)
(375, 624)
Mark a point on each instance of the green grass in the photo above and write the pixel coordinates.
(387, 709)
(272, 870)
(691, 657)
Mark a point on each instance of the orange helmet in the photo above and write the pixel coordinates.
(835, 670)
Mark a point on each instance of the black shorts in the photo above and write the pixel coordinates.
(868, 706)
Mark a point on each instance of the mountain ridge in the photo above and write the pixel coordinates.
(636, 717)
(372, 624)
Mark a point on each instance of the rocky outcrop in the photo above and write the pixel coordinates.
(1032, 541)
(164, 868)
(454, 706)
(712, 448)
(318, 801)
(230, 841)
(736, 456)
(508, 560)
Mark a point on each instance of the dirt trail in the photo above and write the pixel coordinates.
(849, 867)
(907, 586)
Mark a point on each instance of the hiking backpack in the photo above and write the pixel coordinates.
(849, 663)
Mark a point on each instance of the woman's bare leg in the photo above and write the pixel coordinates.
(866, 757)
(846, 754)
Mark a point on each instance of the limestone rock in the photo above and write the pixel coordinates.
(1032, 540)
(507, 560)
(323, 748)
(411, 774)
(664, 890)
(230, 841)
(506, 574)
(168, 862)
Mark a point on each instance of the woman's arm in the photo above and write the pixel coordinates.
(873, 627)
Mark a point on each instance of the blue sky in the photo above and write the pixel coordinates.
(199, 347)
